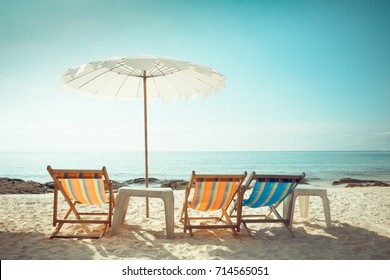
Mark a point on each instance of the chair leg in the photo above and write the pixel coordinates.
(234, 208)
(181, 219)
(56, 230)
(285, 222)
(224, 213)
(187, 223)
(59, 225)
(184, 217)
(103, 231)
(247, 229)
(88, 235)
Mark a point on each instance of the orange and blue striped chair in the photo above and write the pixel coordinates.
(210, 193)
(91, 188)
(267, 191)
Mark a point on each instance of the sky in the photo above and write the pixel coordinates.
(300, 75)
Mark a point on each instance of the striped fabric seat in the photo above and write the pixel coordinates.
(210, 193)
(88, 187)
(268, 191)
(86, 191)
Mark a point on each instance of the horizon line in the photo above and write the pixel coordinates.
(181, 151)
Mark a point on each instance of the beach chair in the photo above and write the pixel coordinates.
(266, 191)
(82, 190)
(210, 193)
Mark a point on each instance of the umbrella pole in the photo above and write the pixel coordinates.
(146, 144)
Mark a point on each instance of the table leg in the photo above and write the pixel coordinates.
(124, 211)
(304, 206)
(325, 202)
(120, 202)
(286, 203)
(169, 215)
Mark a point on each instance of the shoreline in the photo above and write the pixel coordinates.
(19, 186)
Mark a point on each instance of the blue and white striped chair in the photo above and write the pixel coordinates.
(267, 191)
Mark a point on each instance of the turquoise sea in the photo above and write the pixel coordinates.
(320, 167)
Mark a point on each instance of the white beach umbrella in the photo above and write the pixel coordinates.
(143, 77)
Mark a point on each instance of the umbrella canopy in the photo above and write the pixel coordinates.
(143, 77)
(123, 77)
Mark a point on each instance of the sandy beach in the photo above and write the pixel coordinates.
(360, 230)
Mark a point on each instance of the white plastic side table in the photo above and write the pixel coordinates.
(122, 202)
(304, 192)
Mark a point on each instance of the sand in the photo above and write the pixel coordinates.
(360, 230)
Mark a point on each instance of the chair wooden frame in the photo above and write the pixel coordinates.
(273, 200)
(86, 176)
(204, 195)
